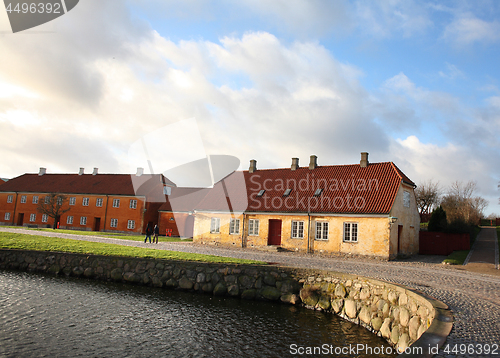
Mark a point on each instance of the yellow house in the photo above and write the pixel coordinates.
(363, 209)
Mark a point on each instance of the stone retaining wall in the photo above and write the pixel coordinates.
(391, 311)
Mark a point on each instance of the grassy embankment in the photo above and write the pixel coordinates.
(458, 257)
(41, 243)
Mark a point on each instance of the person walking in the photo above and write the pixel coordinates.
(156, 232)
(148, 233)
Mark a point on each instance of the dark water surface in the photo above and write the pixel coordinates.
(47, 316)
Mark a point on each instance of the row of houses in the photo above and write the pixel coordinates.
(365, 208)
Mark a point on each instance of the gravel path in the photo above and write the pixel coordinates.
(474, 298)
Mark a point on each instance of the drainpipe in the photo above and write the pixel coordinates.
(309, 233)
(15, 207)
(243, 239)
(106, 213)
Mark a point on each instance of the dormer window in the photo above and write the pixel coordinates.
(287, 192)
(261, 192)
(318, 192)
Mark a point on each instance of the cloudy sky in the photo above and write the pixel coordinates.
(412, 82)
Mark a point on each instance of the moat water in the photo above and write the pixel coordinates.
(47, 316)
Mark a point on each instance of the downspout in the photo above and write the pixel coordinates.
(106, 213)
(243, 239)
(15, 207)
(309, 233)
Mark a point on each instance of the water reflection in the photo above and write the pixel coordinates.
(46, 316)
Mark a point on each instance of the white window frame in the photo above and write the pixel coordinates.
(297, 229)
(351, 232)
(7, 216)
(131, 224)
(69, 220)
(47, 200)
(34, 200)
(23, 199)
(32, 218)
(321, 231)
(116, 203)
(98, 202)
(234, 226)
(85, 201)
(10, 198)
(133, 204)
(83, 220)
(253, 227)
(113, 223)
(215, 226)
(45, 218)
(72, 200)
(59, 200)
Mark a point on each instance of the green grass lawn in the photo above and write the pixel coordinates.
(104, 234)
(41, 243)
(458, 257)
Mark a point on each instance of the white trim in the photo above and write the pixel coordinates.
(249, 213)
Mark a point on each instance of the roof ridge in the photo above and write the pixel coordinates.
(319, 166)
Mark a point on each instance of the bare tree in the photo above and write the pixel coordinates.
(53, 205)
(427, 194)
(461, 204)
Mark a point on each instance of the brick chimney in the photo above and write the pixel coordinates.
(95, 171)
(253, 166)
(313, 162)
(42, 171)
(140, 171)
(364, 160)
(81, 172)
(295, 163)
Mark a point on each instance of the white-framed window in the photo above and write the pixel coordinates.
(297, 229)
(45, 218)
(321, 230)
(85, 201)
(253, 227)
(35, 199)
(234, 226)
(7, 216)
(10, 198)
(116, 203)
(72, 200)
(83, 220)
(23, 199)
(98, 202)
(351, 232)
(215, 226)
(69, 220)
(133, 204)
(59, 200)
(406, 199)
(47, 199)
(114, 223)
(32, 217)
(131, 224)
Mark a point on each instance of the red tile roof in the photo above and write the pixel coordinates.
(100, 184)
(348, 189)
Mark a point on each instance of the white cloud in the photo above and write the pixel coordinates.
(452, 72)
(470, 29)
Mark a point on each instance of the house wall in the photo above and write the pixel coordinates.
(202, 235)
(373, 233)
(410, 219)
(123, 213)
(181, 224)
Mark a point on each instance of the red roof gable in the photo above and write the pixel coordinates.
(348, 189)
(99, 184)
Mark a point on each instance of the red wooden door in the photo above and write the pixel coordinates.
(274, 232)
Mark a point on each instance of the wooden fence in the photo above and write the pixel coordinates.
(439, 243)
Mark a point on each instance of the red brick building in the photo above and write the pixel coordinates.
(98, 202)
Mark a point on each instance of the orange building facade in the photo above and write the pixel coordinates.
(96, 202)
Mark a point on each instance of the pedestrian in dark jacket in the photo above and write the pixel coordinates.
(148, 233)
(157, 232)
